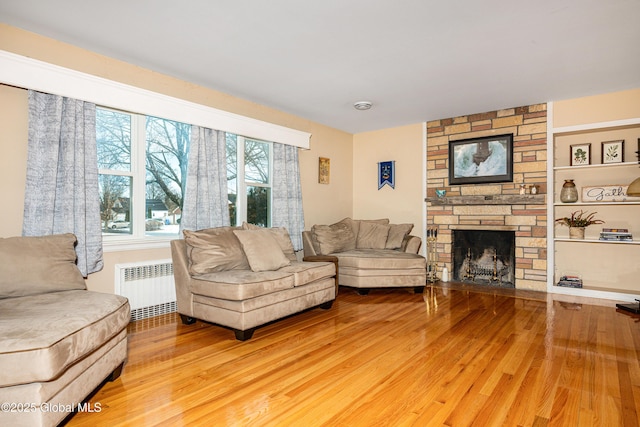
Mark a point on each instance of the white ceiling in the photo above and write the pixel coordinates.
(416, 60)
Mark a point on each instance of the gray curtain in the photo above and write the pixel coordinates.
(61, 194)
(205, 198)
(287, 193)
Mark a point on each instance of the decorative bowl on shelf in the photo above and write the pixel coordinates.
(441, 193)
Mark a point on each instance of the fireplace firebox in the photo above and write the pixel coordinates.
(484, 257)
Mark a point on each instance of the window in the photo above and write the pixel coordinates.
(143, 166)
(249, 174)
(142, 162)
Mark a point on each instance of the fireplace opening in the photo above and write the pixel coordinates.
(484, 257)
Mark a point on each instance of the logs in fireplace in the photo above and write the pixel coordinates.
(484, 257)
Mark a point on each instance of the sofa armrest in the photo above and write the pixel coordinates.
(182, 278)
(325, 258)
(307, 244)
(411, 244)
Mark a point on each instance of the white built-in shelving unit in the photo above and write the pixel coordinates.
(609, 269)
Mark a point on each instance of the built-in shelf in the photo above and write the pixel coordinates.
(597, 203)
(605, 242)
(569, 289)
(596, 166)
(499, 199)
(591, 258)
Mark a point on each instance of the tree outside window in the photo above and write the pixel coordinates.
(164, 145)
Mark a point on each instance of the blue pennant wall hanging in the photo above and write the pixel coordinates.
(387, 174)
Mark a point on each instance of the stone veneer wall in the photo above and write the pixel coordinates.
(529, 128)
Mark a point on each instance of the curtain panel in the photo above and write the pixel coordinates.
(205, 199)
(61, 194)
(287, 193)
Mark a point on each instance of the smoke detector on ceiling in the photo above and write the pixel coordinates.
(362, 105)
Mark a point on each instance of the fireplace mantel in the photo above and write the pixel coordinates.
(478, 227)
(498, 199)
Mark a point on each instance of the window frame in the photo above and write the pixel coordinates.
(138, 236)
(242, 183)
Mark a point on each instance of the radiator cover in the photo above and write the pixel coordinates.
(149, 286)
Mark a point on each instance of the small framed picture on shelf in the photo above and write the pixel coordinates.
(613, 152)
(580, 154)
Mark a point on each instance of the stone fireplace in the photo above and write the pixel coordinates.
(484, 257)
(493, 206)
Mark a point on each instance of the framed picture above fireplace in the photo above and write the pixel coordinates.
(481, 160)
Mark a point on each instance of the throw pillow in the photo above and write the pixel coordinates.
(37, 265)
(372, 235)
(262, 250)
(280, 234)
(333, 238)
(355, 223)
(397, 233)
(214, 250)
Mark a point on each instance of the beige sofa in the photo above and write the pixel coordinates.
(371, 253)
(58, 340)
(245, 277)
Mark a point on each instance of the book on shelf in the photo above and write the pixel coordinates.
(616, 235)
(615, 230)
(570, 281)
(617, 238)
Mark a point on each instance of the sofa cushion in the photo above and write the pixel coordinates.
(355, 223)
(397, 233)
(337, 237)
(35, 265)
(240, 284)
(372, 235)
(261, 249)
(214, 249)
(250, 312)
(381, 259)
(83, 321)
(281, 235)
(307, 272)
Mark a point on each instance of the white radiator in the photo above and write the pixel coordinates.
(149, 286)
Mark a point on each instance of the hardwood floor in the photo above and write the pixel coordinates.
(454, 356)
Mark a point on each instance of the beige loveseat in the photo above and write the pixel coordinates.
(244, 277)
(58, 341)
(371, 253)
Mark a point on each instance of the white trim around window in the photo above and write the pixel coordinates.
(20, 71)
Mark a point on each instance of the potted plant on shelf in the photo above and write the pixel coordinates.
(577, 223)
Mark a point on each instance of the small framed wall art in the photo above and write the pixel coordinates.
(613, 152)
(324, 170)
(580, 154)
(387, 174)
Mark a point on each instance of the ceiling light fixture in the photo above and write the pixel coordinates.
(362, 105)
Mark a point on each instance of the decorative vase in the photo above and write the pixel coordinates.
(576, 232)
(569, 192)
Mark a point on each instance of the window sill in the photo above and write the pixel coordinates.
(110, 245)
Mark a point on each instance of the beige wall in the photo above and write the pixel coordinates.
(598, 108)
(405, 203)
(322, 203)
(13, 137)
